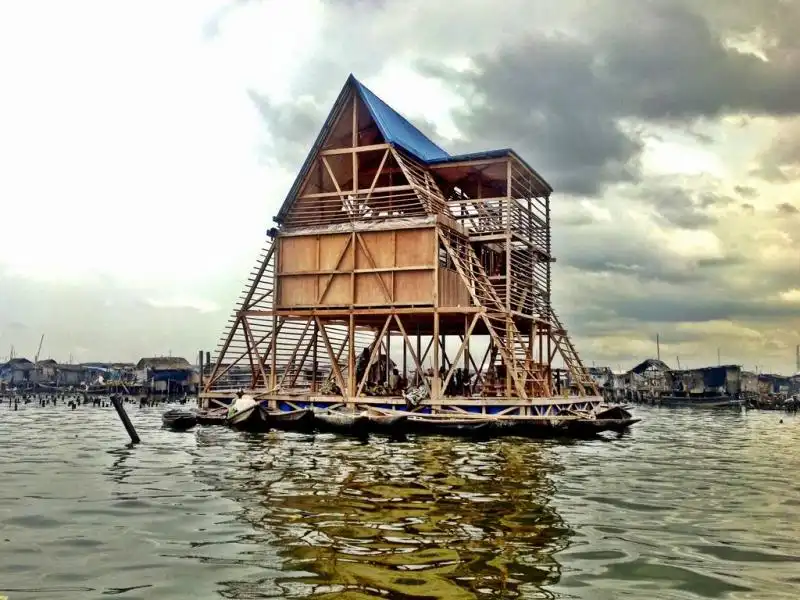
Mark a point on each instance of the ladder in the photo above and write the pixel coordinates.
(579, 373)
(505, 335)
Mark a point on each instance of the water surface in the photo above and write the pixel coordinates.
(691, 504)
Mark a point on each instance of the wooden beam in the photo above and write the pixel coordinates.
(333, 178)
(368, 254)
(368, 148)
(249, 333)
(454, 364)
(351, 355)
(375, 351)
(334, 363)
(294, 352)
(414, 357)
(377, 190)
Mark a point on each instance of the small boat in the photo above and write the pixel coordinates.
(612, 412)
(392, 424)
(301, 419)
(351, 423)
(179, 419)
(470, 427)
(212, 416)
(617, 425)
(244, 414)
(699, 401)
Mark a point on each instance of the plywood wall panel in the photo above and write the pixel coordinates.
(415, 247)
(413, 287)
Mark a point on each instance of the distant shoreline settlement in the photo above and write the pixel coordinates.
(652, 381)
(157, 376)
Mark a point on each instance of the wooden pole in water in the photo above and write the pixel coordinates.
(200, 366)
(123, 416)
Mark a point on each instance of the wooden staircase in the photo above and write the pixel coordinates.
(511, 344)
(505, 335)
(579, 374)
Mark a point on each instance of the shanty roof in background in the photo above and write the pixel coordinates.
(396, 130)
(650, 362)
(20, 364)
(163, 363)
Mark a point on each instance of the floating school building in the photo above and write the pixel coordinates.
(397, 268)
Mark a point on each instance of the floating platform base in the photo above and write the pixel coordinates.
(576, 417)
(496, 406)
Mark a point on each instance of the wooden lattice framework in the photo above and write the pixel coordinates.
(430, 264)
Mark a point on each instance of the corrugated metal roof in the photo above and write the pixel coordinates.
(396, 129)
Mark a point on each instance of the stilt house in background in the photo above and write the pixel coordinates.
(388, 246)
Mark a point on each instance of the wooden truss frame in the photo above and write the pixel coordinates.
(502, 330)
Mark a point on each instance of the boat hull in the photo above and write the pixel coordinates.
(449, 426)
(177, 419)
(293, 420)
(341, 422)
(710, 402)
(249, 419)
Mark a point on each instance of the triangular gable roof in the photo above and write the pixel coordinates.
(394, 128)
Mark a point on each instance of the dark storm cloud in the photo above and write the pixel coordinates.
(746, 191)
(785, 208)
(703, 308)
(563, 101)
(566, 102)
(680, 207)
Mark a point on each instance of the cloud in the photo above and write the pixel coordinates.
(781, 161)
(102, 320)
(572, 102)
(669, 131)
(745, 191)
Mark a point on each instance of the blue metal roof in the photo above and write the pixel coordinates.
(396, 129)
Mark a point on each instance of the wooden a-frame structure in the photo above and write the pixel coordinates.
(389, 253)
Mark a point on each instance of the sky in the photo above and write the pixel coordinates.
(145, 147)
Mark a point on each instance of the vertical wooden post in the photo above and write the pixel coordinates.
(351, 357)
(466, 391)
(273, 352)
(405, 359)
(200, 366)
(314, 358)
(276, 291)
(388, 351)
(466, 343)
(510, 346)
(419, 355)
(435, 388)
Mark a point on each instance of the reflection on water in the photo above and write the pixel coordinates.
(434, 518)
(689, 506)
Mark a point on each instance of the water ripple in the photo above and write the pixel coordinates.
(689, 505)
